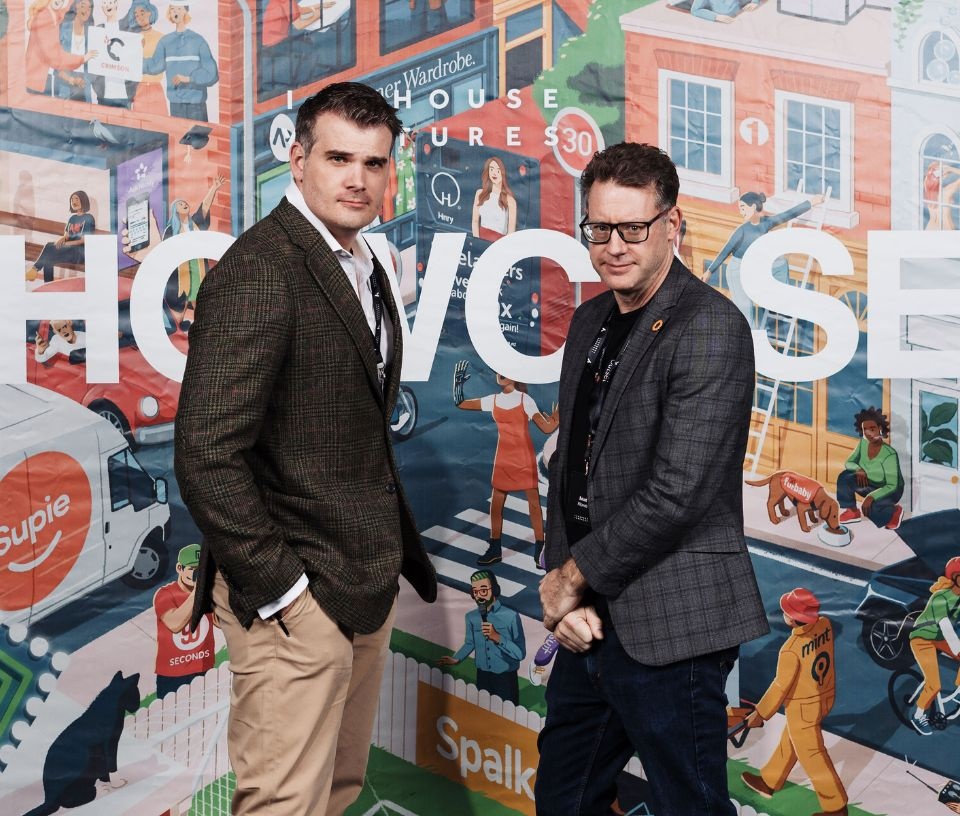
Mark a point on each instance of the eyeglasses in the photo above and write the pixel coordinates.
(632, 232)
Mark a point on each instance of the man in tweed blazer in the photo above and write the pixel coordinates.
(649, 585)
(284, 459)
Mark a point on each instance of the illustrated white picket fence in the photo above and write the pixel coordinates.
(189, 727)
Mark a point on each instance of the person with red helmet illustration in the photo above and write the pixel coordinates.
(805, 685)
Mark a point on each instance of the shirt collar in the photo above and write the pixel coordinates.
(295, 197)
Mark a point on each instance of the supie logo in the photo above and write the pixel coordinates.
(45, 505)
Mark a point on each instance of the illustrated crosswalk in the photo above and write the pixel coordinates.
(454, 548)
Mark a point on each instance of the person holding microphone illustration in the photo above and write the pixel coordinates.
(495, 633)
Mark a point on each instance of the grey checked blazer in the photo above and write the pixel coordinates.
(666, 547)
(283, 452)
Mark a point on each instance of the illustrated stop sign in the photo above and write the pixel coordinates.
(578, 138)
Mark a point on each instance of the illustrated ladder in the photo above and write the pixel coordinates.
(765, 414)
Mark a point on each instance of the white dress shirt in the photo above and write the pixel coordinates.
(358, 268)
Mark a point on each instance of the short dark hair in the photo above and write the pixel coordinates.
(755, 200)
(634, 165)
(872, 414)
(354, 101)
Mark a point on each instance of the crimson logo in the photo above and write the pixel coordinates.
(44, 519)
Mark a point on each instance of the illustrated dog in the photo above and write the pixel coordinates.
(811, 500)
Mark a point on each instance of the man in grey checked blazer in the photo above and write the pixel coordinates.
(649, 587)
(284, 459)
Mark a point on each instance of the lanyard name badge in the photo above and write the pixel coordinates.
(378, 328)
(602, 371)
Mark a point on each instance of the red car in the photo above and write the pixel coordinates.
(143, 404)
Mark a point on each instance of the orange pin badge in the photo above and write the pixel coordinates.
(657, 326)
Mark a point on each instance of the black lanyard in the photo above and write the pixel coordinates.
(602, 371)
(378, 327)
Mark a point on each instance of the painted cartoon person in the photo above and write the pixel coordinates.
(69, 247)
(277, 20)
(429, 16)
(65, 340)
(940, 196)
(110, 90)
(185, 57)
(720, 11)
(494, 633)
(805, 685)
(494, 205)
(181, 653)
(515, 462)
(74, 32)
(754, 225)
(147, 94)
(190, 274)
(935, 631)
(873, 472)
(44, 51)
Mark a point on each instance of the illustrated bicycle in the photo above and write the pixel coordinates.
(904, 688)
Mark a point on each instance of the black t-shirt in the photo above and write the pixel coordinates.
(618, 328)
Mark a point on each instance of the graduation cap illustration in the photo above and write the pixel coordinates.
(196, 138)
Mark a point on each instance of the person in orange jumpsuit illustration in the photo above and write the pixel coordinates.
(805, 685)
(515, 463)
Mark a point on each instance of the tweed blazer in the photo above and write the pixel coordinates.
(282, 448)
(666, 546)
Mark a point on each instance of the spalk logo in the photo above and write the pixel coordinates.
(45, 508)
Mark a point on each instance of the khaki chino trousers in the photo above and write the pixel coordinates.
(302, 708)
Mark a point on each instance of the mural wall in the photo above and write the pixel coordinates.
(818, 143)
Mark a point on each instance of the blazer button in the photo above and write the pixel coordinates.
(391, 487)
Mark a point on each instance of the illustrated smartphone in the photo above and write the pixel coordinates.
(138, 222)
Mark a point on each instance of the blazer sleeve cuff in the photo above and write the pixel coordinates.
(597, 569)
(264, 581)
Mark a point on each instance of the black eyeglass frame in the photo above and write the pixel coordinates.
(617, 227)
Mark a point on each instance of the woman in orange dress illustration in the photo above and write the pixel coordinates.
(515, 462)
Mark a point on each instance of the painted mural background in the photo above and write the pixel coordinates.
(822, 134)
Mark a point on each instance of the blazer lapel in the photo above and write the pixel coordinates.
(329, 276)
(644, 334)
(392, 313)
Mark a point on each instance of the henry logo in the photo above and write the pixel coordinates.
(188, 640)
(44, 518)
(445, 190)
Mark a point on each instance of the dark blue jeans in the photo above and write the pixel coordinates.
(847, 491)
(51, 254)
(602, 706)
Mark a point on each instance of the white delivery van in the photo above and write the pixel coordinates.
(76, 508)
